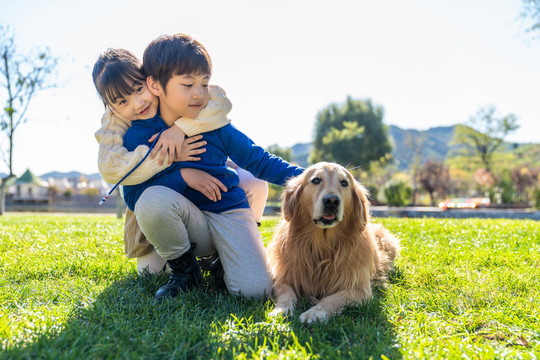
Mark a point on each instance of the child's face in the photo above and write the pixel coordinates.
(140, 105)
(184, 96)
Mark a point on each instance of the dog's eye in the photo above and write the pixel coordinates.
(316, 181)
(344, 183)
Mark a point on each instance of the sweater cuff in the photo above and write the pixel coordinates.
(176, 181)
(179, 124)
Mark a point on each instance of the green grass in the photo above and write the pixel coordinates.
(461, 289)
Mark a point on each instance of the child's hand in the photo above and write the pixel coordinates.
(191, 147)
(170, 142)
(203, 182)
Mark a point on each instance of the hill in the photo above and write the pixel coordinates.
(69, 175)
(430, 144)
(433, 143)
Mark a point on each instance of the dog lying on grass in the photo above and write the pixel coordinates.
(325, 248)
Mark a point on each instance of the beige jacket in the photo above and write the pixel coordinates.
(114, 160)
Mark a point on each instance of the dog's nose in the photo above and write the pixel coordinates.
(331, 201)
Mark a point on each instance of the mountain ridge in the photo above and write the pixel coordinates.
(433, 143)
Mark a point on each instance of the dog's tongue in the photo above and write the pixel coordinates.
(329, 217)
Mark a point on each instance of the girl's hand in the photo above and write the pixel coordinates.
(170, 141)
(191, 147)
(173, 141)
(203, 182)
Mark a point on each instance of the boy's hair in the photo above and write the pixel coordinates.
(178, 54)
(116, 73)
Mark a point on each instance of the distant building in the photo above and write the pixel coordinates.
(29, 188)
(60, 185)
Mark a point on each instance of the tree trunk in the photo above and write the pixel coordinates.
(2, 196)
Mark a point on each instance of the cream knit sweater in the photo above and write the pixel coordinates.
(114, 160)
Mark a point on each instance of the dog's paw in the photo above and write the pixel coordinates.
(314, 314)
(280, 311)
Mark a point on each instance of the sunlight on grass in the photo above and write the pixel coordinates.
(462, 288)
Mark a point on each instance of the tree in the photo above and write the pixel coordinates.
(284, 153)
(531, 12)
(485, 133)
(21, 77)
(274, 191)
(397, 193)
(434, 177)
(416, 145)
(524, 180)
(352, 134)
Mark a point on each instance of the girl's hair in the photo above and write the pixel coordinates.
(178, 54)
(116, 73)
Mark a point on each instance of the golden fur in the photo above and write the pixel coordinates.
(325, 248)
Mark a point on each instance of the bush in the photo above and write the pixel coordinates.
(536, 197)
(507, 189)
(68, 193)
(397, 193)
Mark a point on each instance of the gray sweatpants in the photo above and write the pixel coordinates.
(171, 222)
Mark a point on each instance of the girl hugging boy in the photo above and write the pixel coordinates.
(194, 204)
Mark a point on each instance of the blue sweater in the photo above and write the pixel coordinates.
(225, 142)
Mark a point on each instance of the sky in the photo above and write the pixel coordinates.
(427, 63)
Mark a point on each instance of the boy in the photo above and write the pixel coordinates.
(121, 84)
(179, 221)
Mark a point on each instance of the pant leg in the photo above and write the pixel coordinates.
(171, 222)
(151, 263)
(242, 253)
(256, 192)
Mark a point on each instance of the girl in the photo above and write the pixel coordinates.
(121, 84)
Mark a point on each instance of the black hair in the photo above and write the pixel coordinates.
(178, 54)
(116, 73)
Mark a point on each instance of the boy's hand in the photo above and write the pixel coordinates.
(203, 182)
(191, 147)
(170, 142)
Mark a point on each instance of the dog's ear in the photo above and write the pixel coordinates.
(361, 205)
(291, 196)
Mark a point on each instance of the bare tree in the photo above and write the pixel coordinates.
(21, 77)
(434, 177)
(524, 180)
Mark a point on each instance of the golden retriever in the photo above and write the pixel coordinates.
(325, 248)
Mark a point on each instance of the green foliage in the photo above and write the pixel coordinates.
(536, 196)
(531, 14)
(397, 193)
(90, 192)
(284, 153)
(484, 134)
(507, 188)
(274, 191)
(352, 134)
(461, 289)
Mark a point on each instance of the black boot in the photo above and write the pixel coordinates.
(213, 265)
(185, 274)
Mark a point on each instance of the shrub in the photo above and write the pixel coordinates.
(397, 193)
(536, 195)
(507, 189)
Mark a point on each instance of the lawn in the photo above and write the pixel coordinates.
(461, 289)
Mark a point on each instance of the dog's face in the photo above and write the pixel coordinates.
(325, 192)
